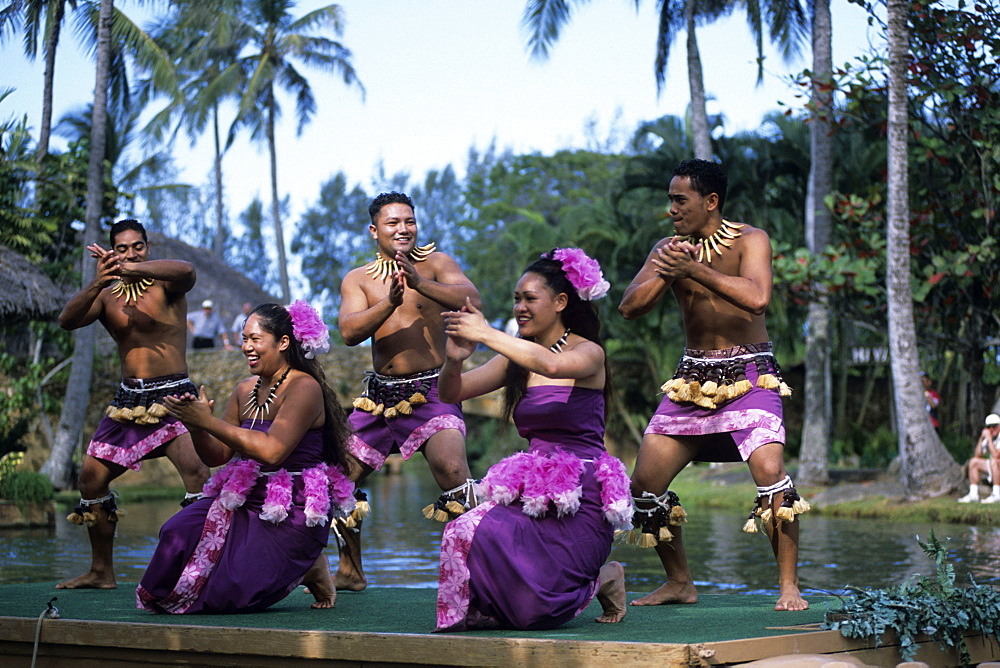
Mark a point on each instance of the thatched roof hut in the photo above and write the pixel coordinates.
(25, 292)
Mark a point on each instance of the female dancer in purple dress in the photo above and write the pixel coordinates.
(265, 519)
(532, 554)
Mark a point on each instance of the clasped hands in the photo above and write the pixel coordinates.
(110, 267)
(190, 409)
(675, 258)
(406, 276)
(465, 328)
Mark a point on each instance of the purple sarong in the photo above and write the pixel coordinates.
(743, 424)
(127, 443)
(375, 437)
(251, 540)
(530, 557)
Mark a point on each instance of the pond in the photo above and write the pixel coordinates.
(400, 547)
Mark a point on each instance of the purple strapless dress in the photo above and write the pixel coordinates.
(529, 555)
(250, 541)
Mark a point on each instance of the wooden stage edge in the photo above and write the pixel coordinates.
(102, 644)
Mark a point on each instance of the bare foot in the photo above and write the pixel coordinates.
(791, 599)
(89, 580)
(319, 583)
(670, 592)
(611, 595)
(347, 583)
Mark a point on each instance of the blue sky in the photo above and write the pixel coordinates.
(444, 75)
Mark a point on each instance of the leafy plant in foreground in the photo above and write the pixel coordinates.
(934, 606)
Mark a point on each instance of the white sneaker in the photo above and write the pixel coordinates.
(971, 497)
(992, 498)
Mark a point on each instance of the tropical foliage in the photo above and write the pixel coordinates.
(933, 605)
(210, 70)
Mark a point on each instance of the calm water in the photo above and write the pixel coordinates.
(401, 548)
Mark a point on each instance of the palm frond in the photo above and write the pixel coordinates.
(542, 20)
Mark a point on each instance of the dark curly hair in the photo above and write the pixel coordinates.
(388, 198)
(275, 320)
(126, 224)
(579, 316)
(706, 177)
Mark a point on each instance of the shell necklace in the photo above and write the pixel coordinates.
(558, 345)
(722, 238)
(382, 268)
(257, 409)
(131, 291)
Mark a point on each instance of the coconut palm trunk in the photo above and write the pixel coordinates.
(926, 468)
(74, 410)
(51, 44)
(279, 235)
(696, 82)
(219, 244)
(813, 457)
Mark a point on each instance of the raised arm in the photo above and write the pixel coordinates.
(750, 290)
(217, 439)
(583, 360)
(178, 275)
(449, 286)
(358, 321)
(649, 285)
(455, 386)
(991, 445)
(86, 306)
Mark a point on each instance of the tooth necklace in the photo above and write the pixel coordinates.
(132, 291)
(558, 345)
(382, 268)
(260, 410)
(722, 237)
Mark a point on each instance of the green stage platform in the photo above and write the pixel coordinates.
(404, 610)
(392, 626)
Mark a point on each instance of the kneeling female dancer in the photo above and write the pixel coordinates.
(532, 554)
(265, 519)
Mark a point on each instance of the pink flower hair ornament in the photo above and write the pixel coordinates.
(308, 329)
(582, 271)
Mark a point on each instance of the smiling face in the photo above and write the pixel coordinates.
(537, 309)
(264, 354)
(692, 213)
(394, 229)
(129, 246)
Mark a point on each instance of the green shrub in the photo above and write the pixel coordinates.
(864, 448)
(26, 487)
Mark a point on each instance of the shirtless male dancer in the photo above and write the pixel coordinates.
(397, 301)
(723, 403)
(142, 304)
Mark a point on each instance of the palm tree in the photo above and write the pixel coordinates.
(32, 15)
(786, 22)
(204, 40)
(74, 410)
(816, 426)
(278, 40)
(926, 467)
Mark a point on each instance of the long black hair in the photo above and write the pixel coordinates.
(274, 319)
(579, 316)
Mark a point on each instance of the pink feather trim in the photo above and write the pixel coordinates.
(240, 482)
(316, 485)
(214, 484)
(279, 497)
(341, 491)
(616, 493)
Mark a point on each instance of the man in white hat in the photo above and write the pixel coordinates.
(205, 325)
(985, 459)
